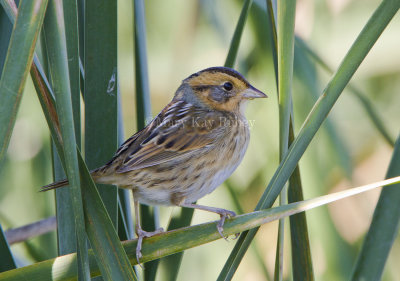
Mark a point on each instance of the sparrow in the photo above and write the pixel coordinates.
(190, 148)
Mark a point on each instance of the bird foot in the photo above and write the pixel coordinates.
(220, 226)
(222, 212)
(144, 234)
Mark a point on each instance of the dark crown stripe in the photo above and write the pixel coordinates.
(221, 69)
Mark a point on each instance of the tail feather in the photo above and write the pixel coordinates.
(54, 185)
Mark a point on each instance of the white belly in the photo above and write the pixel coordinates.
(200, 189)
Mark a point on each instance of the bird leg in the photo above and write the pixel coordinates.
(222, 212)
(140, 233)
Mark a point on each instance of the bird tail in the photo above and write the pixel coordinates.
(54, 185)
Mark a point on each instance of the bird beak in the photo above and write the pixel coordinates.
(253, 93)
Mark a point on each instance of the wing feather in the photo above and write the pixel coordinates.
(179, 130)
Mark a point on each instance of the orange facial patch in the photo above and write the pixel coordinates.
(216, 78)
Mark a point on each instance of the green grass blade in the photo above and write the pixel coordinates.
(256, 248)
(302, 266)
(100, 92)
(58, 66)
(285, 53)
(285, 48)
(66, 238)
(42, 86)
(237, 35)
(81, 25)
(36, 253)
(17, 64)
(104, 227)
(5, 34)
(360, 48)
(173, 262)
(64, 268)
(372, 113)
(273, 37)
(72, 40)
(384, 228)
(143, 105)
(301, 232)
(143, 112)
(64, 209)
(66, 224)
(9, 6)
(148, 216)
(6, 258)
(110, 255)
(101, 233)
(306, 73)
(125, 221)
(46, 99)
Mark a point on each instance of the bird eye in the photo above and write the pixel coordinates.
(228, 86)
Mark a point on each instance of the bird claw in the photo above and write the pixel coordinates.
(220, 226)
(140, 235)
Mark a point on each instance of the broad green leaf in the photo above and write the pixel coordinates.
(101, 83)
(167, 243)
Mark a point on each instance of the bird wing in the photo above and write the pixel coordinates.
(180, 129)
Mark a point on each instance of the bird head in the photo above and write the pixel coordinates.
(219, 88)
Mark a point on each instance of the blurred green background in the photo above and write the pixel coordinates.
(187, 36)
